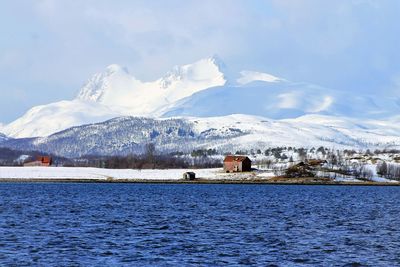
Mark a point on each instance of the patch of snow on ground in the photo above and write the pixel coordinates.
(383, 180)
(104, 174)
(96, 173)
(346, 179)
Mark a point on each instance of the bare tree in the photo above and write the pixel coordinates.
(150, 152)
(382, 169)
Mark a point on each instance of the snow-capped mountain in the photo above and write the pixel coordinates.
(115, 92)
(201, 89)
(126, 135)
(118, 89)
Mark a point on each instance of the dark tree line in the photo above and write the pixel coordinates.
(147, 162)
(150, 159)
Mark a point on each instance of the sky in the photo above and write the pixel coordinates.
(49, 48)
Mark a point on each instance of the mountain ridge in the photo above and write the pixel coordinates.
(200, 89)
(228, 134)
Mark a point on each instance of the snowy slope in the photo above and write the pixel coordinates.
(226, 134)
(279, 99)
(305, 131)
(47, 119)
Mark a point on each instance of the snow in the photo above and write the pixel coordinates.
(77, 173)
(305, 131)
(116, 88)
(96, 173)
(202, 89)
(22, 158)
(281, 100)
(347, 179)
(48, 119)
(104, 174)
(115, 92)
(225, 134)
(383, 180)
(251, 76)
(269, 174)
(376, 178)
(373, 179)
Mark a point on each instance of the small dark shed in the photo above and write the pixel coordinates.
(234, 163)
(189, 176)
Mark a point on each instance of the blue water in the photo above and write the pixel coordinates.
(198, 225)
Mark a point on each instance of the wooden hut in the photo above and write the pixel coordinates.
(189, 176)
(234, 163)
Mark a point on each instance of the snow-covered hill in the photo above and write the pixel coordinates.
(281, 99)
(226, 134)
(201, 89)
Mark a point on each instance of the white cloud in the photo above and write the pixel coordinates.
(288, 100)
(250, 76)
(327, 101)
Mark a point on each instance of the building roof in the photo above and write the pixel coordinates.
(44, 159)
(232, 158)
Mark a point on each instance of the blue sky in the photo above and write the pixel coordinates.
(49, 48)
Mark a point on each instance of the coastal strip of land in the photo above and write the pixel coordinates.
(167, 176)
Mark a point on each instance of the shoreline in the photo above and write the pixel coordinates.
(166, 176)
(197, 181)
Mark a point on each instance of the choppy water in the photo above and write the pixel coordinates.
(198, 225)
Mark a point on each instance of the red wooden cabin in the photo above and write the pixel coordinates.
(234, 163)
(40, 161)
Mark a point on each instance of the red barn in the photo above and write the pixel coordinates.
(237, 164)
(41, 161)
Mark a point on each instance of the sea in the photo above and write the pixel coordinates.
(67, 224)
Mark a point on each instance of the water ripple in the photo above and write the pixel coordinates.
(192, 225)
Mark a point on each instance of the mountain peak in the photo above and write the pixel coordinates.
(113, 68)
(203, 70)
(217, 61)
(213, 63)
(96, 86)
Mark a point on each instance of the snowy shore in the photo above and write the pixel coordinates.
(74, 174)
(97, 173)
